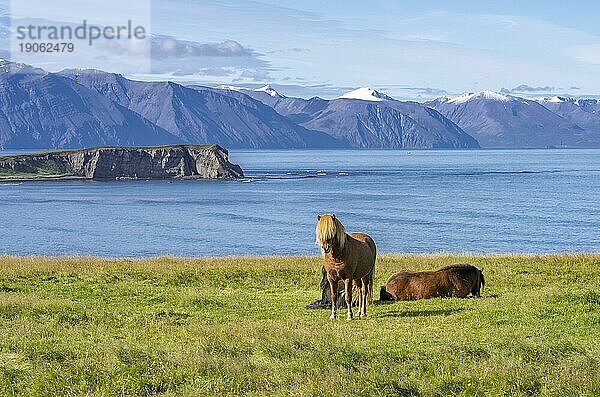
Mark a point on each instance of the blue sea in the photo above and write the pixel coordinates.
(479, 201)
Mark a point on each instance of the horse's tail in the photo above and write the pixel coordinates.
(481, 279)
(371, 273)
(370, 284)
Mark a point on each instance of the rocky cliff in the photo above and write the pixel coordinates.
(154, 162)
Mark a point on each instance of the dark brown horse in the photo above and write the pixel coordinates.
(349, 258)
(457, 281)
(325, 301)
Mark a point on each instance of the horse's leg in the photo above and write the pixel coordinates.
(333, 288)
(359, 287)
(348, 286)
(476, 289)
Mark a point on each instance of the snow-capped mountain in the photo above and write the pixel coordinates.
(555, 99)
(366, 94)
(470, 96)
(590, 105)
(269, 90)
(383, 124)
(504, 121)
(10, 67)
(87, 107)
(583, 112)
(376, 122)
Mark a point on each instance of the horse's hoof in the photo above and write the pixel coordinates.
(349, 318)
(332, 317)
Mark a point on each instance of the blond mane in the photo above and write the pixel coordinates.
(330, 228)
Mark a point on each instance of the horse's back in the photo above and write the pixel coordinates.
(411, 285)
(360, 254)
(365, 238)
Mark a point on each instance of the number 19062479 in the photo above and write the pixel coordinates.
(46, 47)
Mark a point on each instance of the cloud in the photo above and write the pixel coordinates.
(416, 90)
(189, 59)
(526, 89)
(254, 75)
(212, 72)
(294, 50)
(588, 53)
(4, 26)
(158, 55)
(166, 46)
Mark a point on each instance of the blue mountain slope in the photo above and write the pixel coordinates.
(204, 115)
(45, 110)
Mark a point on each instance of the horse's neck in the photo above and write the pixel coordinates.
(339, 253)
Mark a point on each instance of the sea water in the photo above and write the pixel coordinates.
(477, 201)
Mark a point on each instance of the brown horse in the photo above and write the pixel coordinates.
(458, 281)
(348, 257)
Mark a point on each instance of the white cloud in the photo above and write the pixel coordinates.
(589, 53)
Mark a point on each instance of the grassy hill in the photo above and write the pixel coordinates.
(238, 326)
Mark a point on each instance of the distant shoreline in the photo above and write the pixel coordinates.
(384, 255)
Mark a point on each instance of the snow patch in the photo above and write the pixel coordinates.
(365, 94)
(555, 99)
(491, 95)
(230, 88)
(7, 66)
(269, 90)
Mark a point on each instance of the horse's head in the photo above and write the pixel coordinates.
(330, 233)
(384, 295)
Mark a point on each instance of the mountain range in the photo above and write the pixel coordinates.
(505, 121)
(203, 115)
(46, 110)
(85, 107)
(365, 118)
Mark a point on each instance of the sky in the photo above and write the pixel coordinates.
(411, 50)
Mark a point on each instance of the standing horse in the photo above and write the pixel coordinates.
(349, 258)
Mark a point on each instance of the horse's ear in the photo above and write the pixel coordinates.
(333, 216)
(318, 217)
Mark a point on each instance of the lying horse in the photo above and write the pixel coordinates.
(349, 258)
(457, 281)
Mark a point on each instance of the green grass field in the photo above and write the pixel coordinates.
(231, 327)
